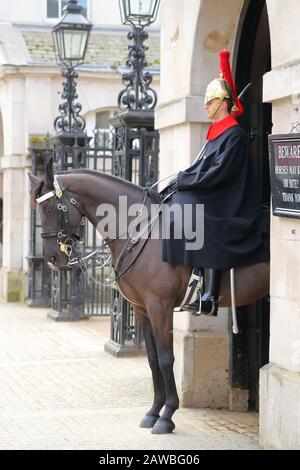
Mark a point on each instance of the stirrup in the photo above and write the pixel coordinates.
(199, 289)
(213, 311)
(198, 313)
(200, 304)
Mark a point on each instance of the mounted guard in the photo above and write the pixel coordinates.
(236, 227)
(154, 287)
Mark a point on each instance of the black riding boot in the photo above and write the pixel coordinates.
(210, 298)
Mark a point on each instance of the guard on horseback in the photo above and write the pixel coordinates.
(236, 227)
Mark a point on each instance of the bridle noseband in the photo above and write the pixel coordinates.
(65, 239)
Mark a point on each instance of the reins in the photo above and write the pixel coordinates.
(66, 240)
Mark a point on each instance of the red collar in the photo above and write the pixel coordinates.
(217, 128)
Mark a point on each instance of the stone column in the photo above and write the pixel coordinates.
(280, 379)
(201, 346)
(13, 245)
(14, 194)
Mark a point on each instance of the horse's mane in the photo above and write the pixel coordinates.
(101, 174)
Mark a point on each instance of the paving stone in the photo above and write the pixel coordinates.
(60, 390)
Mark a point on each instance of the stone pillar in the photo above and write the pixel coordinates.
(13, 223)
(201, 347)
(280, 379)
(13, 163)
(26, 101)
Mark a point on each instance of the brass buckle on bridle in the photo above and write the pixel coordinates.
(62, 207)
(58, 190)
(66, 245)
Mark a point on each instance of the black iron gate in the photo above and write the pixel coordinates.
(70, 295)
(39, 285)
(135, 158)
(99, 298)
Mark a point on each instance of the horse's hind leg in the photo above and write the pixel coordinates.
(161, 318)
(158, 383)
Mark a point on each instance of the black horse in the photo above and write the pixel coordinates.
(154, 287)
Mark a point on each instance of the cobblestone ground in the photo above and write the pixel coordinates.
(60, 390)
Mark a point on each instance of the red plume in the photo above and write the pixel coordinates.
(225, 73)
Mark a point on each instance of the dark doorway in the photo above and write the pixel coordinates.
(250, 349)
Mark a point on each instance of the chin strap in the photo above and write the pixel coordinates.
(218, 105)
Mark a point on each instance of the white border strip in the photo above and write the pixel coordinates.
(45, 197)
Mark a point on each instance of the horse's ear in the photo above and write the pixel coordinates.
(35, 182)
(36, 185)
(49, 177)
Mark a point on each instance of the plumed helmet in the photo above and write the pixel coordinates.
(223, 87)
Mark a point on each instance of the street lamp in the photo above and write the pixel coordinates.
(138, 12)
(137, 93)
(69, 146)
(135, 147)
(71, 36)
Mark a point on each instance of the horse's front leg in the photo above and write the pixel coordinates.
(158, 383)
(161, 317)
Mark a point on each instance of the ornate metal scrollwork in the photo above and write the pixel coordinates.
(137, 93)
(70, 119)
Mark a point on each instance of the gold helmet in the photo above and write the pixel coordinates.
(218, 89)
(223, 87)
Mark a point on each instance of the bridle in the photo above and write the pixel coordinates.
(65, 239)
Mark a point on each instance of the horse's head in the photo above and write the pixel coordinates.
(60, 215)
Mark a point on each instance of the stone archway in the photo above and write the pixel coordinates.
(206, 344)
(250, 351)
(193, 34)
(215, 29)
(229, 25)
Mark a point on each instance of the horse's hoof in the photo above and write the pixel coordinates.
(148, 421)
(163, 426)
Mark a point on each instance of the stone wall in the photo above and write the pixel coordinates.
(280, 380)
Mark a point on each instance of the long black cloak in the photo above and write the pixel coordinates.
(236, 228)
